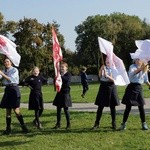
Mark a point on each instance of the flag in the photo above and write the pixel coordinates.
(8, 48)
(143, 51)
(57, 57)
(106, 47)
(118, 69)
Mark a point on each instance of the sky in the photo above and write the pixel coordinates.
(70, 13)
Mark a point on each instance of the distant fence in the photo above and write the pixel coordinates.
(77, 79)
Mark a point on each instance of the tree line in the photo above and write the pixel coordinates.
(34, 41)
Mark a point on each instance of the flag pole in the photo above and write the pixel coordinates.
(102, 61)
(102, 58)
(101, 55)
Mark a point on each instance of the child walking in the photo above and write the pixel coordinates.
(63, 98)
(35, 82)
(107, 95)
(11, 97)
(84, 81)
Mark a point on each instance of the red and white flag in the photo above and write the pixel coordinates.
(118, 69)
(57, 57)
(8, 48)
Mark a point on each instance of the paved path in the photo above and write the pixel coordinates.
(90, 107)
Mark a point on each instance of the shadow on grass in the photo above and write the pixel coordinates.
(12, 143)
(51, 132)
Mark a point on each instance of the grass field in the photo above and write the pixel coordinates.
(80, 137)
(49, 93)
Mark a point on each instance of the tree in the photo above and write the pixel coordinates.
(122, 30)
(35, 44)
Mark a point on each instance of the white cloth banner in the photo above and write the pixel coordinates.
(8, 48)
(143, 51)
(118, 69)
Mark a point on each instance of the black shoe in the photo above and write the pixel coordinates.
(114, 125)
(82, 95)
(35, 123)
(7, 131)
(24, 129)
(57, 126)
(68, 126)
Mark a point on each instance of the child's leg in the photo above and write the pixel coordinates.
(37, 118)
(125, 117)
(85, 89)
(142, 116)
(126, 113)
(142, 113)
(20, 119)
(67, 114)
(40, 112)
(58, 117)
(8, 121)
(98, 116)
(113, 116)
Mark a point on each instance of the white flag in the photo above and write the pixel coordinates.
(118, 69)
(106, 47)
(143, 51)
(119, 72)
(8, 48)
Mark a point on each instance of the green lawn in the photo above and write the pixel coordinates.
(49, 93)
(80, 137)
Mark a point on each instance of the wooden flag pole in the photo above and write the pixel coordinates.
(102, 58)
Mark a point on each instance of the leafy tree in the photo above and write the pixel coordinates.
(121, 29)
(35, 44)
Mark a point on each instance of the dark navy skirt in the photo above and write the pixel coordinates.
(133, 95)
(35, 100)
(107, 95)
(62, 99)
(11, 97)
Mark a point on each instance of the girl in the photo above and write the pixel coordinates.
(35, 82)
(63, 98)
(107, 95)
(11, 97)
(134, 94)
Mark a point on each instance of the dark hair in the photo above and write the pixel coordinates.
(5, 57)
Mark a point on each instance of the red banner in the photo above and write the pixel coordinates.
(57, 57)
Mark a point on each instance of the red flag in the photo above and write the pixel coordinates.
(57, 57)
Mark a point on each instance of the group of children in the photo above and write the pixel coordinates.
(12, 96)
(107, 94)
(106, 97)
